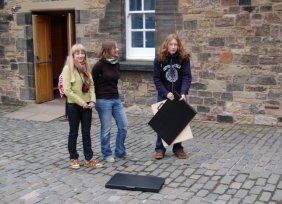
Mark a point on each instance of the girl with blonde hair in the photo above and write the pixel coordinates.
(79, 88)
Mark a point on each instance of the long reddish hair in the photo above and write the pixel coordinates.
(163, 51)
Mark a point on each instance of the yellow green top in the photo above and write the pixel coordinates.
(73, 90)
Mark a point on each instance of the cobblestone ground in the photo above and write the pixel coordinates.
(227, 164)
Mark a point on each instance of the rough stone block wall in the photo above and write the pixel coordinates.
(137, 88)
(12, 55)
(236, 59)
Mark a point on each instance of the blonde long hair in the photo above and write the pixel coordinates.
(70, 60)
(163, 51)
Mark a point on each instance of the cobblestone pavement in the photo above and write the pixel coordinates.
(227, 164)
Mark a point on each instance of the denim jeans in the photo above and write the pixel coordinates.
(107, 108)
(76, 115)
(159, 143)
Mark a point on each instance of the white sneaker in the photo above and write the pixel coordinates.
(110, 159)
(128, 155)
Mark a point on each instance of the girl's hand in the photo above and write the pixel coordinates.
(183, 97)
(91, 105)
(170, 96)
(85, 106)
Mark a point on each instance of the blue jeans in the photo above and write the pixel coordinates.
(107, 108)
(76, 115)
(159, 143)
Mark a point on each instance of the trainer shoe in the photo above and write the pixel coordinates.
(180, 154)
(159, 154)
(74, 164)
(92, 163)
(110, 159)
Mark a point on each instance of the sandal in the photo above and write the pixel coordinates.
(93, 163)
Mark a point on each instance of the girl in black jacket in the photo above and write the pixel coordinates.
(106, 73)
(172, 73)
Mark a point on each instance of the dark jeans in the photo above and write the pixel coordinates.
(76, 115)
(159, 144)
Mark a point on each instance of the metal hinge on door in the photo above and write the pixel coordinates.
(37, 60)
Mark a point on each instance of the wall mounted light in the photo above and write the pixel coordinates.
(15, 8)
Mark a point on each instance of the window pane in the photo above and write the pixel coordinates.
(150, 39)
(149, 4)
(137, 21)
(137, 39)
(150, 21)
(245, 2)
(135, 5)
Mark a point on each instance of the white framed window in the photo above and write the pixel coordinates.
(140, 29)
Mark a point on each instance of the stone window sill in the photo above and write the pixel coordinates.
(134, 65)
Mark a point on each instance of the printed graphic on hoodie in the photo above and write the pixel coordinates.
(171, 72)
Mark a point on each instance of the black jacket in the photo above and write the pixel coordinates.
(172, 76)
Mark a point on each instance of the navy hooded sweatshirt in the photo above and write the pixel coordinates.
(172, 76)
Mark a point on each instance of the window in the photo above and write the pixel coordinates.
(140, 29)
(244, 2)
(1, 4)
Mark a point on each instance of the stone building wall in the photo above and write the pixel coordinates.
(12, 55)
(237, 58)
(235, 44)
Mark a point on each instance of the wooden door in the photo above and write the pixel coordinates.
(70, 30)
(42, 58)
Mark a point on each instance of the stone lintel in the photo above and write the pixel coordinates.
(54, 5)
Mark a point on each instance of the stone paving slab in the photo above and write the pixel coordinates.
(44, 112)
(226, 164)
